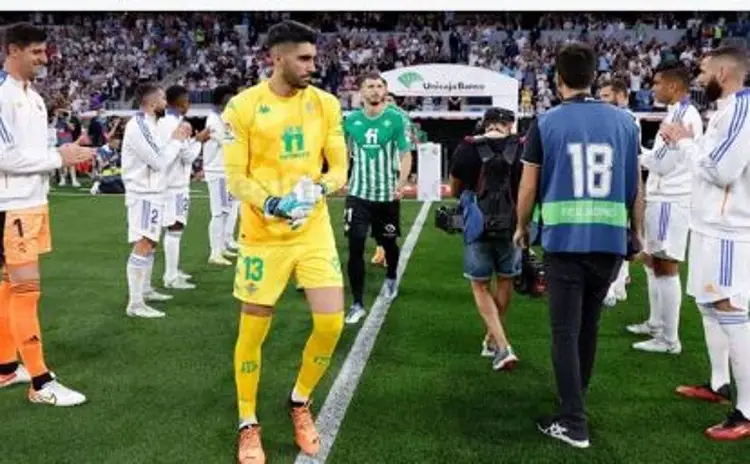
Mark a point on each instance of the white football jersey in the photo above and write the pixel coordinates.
(28, 154)
(720, 203)
(213, 157)
(178, 173)
(146, 156)
(670, 174)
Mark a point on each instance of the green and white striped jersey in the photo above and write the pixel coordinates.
(376, 145)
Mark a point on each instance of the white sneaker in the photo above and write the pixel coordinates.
(56, 394)
(229, 254)
(219, 261)
(659, 345)
(144, 311)
(153, 295)
(644, 328)
(488, 351)
(231, 245)
(184, 275)
(390, 289)
(179, 283)
(20, 375)
(75, 184)
(356, 313)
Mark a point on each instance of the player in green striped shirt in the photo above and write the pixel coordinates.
(380, 154)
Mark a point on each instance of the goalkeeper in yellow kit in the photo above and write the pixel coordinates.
(277, 135)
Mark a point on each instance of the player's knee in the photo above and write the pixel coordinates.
(176, 227)
(388, 242)
(144, 246)
(257, 310)
(25, 287)
(481, 287)
(21, 274)
(329, 325)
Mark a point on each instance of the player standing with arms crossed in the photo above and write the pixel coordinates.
(667, 218)
(145, 161)
(588, 180)
(719, 259)
(26, 161)
(279, 133)
(178, 174)
(220, 199)
(381, 161)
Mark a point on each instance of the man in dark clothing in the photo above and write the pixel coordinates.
(490, 257)
(586, 176)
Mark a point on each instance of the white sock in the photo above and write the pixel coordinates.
(654, 299)
(73, 176)
(248, 422)
(622, 275)
(136, 272)
(717, 343)
(172, 240)
(670, 296)
(231, 222)
(297, 398)
(216, 234)
(148, 272)
(737, 327)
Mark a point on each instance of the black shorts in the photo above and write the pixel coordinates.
(384, 217)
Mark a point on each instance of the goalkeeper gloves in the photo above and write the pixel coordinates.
(297, 204)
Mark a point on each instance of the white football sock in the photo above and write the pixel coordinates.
(654, 300)
(737, 327)
(231, 222)
(136, 272)
(297, 398)
(148, 272)
(670, 296)
(172, 240)
(73, 175)
(216, 234)
(717, 343)
(622, 276)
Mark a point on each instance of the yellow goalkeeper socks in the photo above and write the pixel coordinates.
(247, 361)
(317, 354)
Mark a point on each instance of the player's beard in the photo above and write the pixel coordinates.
(294, 80)
(713, 90)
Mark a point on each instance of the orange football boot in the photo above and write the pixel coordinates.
(704, 393)
(249, 447)
(305, 433)
(735, 427)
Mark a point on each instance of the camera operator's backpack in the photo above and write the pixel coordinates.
(494, 191)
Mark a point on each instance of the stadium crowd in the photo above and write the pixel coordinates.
(115, 52)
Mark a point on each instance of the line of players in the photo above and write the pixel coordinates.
(157, 160)
(697, 189)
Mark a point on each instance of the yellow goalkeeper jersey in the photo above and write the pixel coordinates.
(270, 143)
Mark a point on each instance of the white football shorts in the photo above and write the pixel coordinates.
(719, 269)
(667, 229)
(219, 197)
(176, 207)
(144, 218)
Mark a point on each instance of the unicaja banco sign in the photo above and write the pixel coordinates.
(413, 80)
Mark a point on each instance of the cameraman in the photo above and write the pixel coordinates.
(485, 174)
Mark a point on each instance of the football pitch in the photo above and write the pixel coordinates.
(162, 391)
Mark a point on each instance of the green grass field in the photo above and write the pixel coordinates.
(162, 391)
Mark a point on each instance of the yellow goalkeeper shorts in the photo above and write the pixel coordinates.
(263, 271)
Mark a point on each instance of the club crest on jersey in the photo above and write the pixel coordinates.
(228, 133)
(264, 109)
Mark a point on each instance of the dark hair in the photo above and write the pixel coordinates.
(371, 76)
(618, 86)
(498, 115)
(221, 93)
(22, 35)
(174, 93)
(576, 65)
(143, 91)
(674, 71)
(735, 53)
(290, 32)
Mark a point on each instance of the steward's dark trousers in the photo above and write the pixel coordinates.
(576, 285)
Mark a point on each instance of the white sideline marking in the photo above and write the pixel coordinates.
(332, 413)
